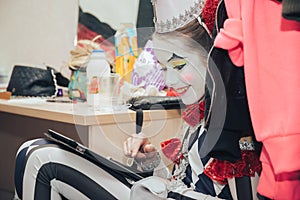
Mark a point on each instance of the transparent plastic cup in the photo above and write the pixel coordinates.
(109, 91)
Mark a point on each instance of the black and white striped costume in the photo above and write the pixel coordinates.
(46, 170)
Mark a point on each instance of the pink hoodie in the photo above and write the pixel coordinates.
(256, 36)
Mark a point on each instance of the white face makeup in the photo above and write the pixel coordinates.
(185, 64)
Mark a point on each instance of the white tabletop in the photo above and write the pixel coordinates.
(77, 113)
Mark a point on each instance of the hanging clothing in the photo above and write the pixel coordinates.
(223, 74)
(258, 37)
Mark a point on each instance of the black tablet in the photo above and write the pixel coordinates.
(105, 163)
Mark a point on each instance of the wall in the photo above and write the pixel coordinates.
(34, 32)
(113, 12)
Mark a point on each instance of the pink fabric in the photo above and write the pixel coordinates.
(269, 185)
(271, 48)
(231, 36)
(268, 47)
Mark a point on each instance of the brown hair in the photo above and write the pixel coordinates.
(197, 32)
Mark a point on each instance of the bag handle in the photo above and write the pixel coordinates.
(139, 117)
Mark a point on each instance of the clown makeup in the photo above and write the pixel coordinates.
(184, 61)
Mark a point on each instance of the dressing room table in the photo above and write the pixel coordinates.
(101, 130)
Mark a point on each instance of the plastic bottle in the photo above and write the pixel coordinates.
(96, 68)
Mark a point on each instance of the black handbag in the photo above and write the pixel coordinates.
(156, 103)
(32, 81)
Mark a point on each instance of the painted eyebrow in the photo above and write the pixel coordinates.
(174, 56)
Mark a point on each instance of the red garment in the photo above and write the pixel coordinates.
(193, 113)
(208, 13)
(221, 170)
(84, 33)
(256, 36)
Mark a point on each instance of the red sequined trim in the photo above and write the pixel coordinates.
(209, 13)
(221, 170)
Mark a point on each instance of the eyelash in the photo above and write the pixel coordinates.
(179, 67)
(163, 68)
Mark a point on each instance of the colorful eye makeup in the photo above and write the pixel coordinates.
(177, 62)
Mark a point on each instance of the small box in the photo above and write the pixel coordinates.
(126, 50)
(5, 95)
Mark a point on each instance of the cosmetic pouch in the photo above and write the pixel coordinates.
(32, 81)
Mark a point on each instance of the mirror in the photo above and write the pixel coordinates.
(137, 12)
(113, 12)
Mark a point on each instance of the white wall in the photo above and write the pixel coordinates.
(34, 32)
(113, 12)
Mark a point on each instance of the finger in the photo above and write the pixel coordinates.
(149, 148)
(135, 147)
(140, 156)
(148, 151)
(127, 147)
